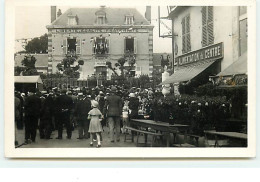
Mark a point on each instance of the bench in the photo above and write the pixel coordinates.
(183, 145)
(196, 137)
(141, 132)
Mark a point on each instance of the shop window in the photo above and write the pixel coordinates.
(101, 46)
(186, 46)
(207, 26)
(130, 45)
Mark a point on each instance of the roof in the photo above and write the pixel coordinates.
(177, 10)
(157, 58)
(28, 79)
(188, 72)
(41, 60)
(115, 16)
(237, 67)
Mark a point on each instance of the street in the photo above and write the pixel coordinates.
(73, 142)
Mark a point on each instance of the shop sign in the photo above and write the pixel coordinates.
(99, 30)
(208, 53)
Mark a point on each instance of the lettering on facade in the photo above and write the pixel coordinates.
(212, 52)
(99, 30)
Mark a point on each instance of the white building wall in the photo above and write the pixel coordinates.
(225, 30)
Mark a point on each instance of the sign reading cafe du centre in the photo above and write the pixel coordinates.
(211, 52)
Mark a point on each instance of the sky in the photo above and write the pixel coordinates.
(31, 21)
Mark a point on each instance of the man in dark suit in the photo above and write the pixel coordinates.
(83, 106)
(64, 105)
(32, 108)
(113, 109)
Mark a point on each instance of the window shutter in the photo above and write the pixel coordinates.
(94, 46)
(78, 46)
(135, 45)
(210, 26)
(183, 36)
(107, 45)
(188, 45)
(65, 46)
(125, 45)
(204, 26)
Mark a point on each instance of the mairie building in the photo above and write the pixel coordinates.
(99, 35)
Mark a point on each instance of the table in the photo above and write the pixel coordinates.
(234, 135)
(160, 126)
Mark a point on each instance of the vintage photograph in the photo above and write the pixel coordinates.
(130, 77)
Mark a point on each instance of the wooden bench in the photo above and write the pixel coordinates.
(141, 132)
(196, 137)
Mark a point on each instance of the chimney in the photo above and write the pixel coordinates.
(148, 13)
(53, 13)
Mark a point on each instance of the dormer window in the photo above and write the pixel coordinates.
(129, 20)
(72, 19)
(100, 17)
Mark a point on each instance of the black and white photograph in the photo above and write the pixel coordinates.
(126, 80)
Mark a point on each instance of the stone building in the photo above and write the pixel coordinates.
(99, 35)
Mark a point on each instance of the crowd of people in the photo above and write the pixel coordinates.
(92, 109)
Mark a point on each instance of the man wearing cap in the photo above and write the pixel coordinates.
(32, 108)
(113, 110)
(64, 105)
(82, 108)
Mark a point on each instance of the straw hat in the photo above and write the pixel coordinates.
(131, 95)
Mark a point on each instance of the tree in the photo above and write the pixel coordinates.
(67, 66)
(109, 65)
(37, 45)
(29, 66)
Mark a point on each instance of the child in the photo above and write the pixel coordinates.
(95, 126)
(125, 118)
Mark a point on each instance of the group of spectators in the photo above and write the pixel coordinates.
(56, 109)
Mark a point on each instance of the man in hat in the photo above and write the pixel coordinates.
(64, 105)
(82, 108)
(32, 109)
(113, 110)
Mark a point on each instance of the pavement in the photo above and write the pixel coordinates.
(73, 142)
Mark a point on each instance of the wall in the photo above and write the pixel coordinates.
(225, 30)
(116, 49)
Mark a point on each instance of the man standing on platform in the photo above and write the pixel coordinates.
(83, 106)
(64, 105)
(32, 109)
(113, 109)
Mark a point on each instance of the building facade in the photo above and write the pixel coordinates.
(207, 37)
(100, 35)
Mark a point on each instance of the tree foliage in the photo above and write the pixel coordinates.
(68, 68)
(37, 45)
(29, 66)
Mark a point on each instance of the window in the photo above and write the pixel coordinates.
(100, 17)
(101, 46)
(101, 20)
(129, 20)
(71, 46)
(186, 46)
(72, 20)
(207, 26)
(242, 30)
(130, 45)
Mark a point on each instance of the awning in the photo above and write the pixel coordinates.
(238, 67)
(185, 73)
(27, 79)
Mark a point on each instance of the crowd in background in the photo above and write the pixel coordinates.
(112, 107)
